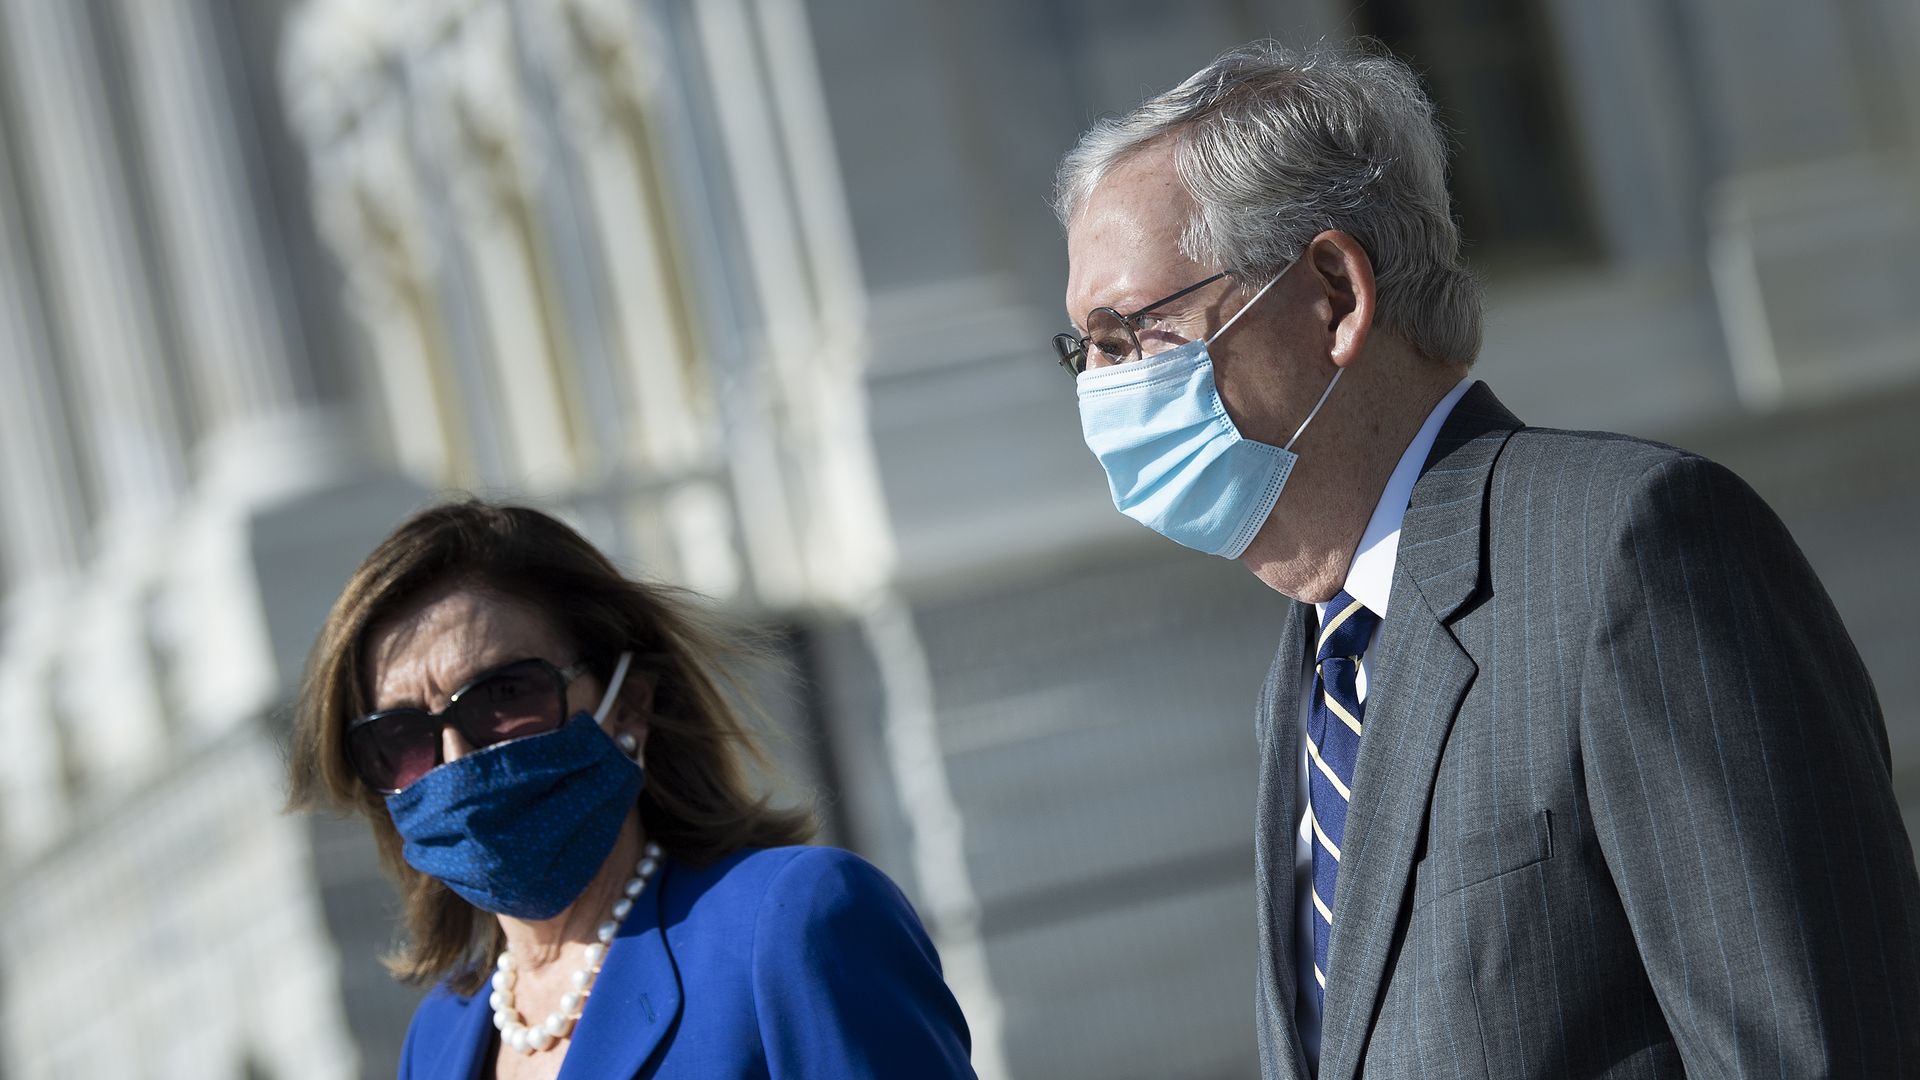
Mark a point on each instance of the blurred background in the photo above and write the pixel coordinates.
(757, 293)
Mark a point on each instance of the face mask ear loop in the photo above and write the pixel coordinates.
(1316, 409)
(613, 688)
(1248, 306)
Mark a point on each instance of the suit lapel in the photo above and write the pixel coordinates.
(1277, 729)
(1419, 675)
(635, 999)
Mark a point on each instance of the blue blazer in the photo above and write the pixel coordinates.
(770, 963)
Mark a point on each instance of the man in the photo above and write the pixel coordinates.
(1568, 766)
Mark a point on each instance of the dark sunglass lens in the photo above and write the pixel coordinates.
(395, 750)
(523, 700)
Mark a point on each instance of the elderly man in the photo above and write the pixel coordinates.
(1568, 767)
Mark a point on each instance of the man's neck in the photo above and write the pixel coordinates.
(1307, 545)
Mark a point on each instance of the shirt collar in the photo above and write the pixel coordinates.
(1370, 574)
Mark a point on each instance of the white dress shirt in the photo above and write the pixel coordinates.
(1370, 581)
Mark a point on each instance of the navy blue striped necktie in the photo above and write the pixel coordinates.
(1333, 746)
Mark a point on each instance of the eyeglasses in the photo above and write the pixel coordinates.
(393, 748)
(1112, 333)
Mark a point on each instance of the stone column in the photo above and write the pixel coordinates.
(243, 350)
(43, 515)
(807, 367)
(41, 534)
(98, 294)
(264, 438)
(815, 524)
(595, 71)
(348, 105)
(103, 311)
(599, 62)
(850, 535)
(471, 118)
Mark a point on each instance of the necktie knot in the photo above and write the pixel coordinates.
(1349, 627)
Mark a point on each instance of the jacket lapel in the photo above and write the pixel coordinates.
(635, 999)
(1419, 675)
(1276, 817)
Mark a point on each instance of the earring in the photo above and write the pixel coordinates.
(630, 746)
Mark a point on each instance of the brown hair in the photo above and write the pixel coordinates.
(698, 803)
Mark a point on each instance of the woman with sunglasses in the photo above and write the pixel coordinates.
(556, 783)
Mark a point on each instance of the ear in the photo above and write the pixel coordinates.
(633, 709)
(1345, 276)
(639, 691)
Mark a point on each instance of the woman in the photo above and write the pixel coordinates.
(556, 783)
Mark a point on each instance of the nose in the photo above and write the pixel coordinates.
(453, 745)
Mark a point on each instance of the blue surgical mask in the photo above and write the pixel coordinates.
(1174, 460)
(519, 828)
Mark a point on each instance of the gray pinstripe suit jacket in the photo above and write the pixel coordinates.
(1622, 805)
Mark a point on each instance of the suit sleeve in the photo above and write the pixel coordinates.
(845, 981)
(1738, 772)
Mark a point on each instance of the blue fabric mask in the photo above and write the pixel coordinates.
(520, 827)
(1174, 460)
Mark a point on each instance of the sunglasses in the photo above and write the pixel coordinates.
(393, 748)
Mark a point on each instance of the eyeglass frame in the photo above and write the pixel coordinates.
(1079, 343)
(563, 678)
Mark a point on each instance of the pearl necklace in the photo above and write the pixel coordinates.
(527, 1039)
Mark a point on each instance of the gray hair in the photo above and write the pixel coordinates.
(1277, 146)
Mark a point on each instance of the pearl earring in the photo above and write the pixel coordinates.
(629, 745)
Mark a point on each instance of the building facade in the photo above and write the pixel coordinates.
(756, 292)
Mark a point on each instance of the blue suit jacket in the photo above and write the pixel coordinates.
(770, 963)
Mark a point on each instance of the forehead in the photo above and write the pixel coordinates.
(1123, 244)
(433, 645)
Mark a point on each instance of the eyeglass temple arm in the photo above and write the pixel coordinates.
(1195, 287)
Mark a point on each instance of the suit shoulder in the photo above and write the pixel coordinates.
(738, 878)
(1611, 480)
(828, 875)
(1603, 453)
(785, 877)
(824, 892)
